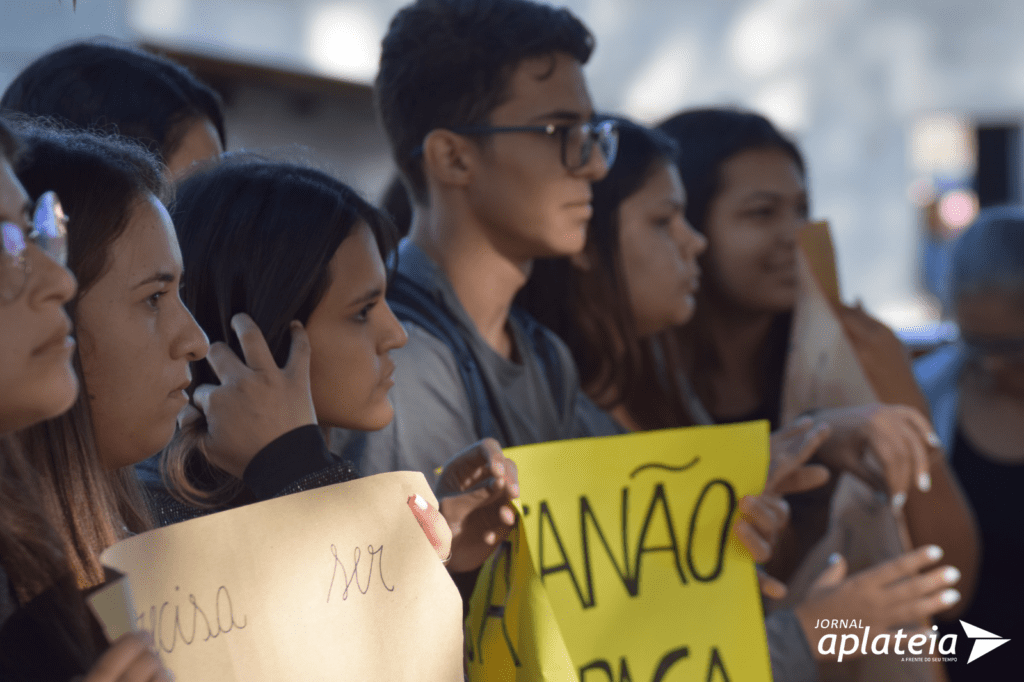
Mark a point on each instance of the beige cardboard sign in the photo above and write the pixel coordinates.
(336, 583)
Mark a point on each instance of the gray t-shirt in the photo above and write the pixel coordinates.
(433, 416)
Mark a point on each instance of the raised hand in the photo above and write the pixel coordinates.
(256, 401)
(789, 449)
(893, 594)
(887, 446)
(474, 490)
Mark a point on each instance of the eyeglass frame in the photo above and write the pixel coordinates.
(53, 245)
(592, 131)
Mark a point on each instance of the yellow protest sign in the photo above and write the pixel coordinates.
(623, 565)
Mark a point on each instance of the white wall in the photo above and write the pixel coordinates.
(847, 77)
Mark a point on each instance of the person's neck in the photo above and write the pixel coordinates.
(484, 279)
(738, 337)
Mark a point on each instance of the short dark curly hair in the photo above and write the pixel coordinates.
(447, 63)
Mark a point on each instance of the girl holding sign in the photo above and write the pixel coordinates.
(637, 277)
(46, 631)
(294, 250)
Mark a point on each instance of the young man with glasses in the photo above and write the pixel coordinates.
(491, 124)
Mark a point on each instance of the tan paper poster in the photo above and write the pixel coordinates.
(336, 583)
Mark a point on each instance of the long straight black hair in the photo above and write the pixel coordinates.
(256, 237)
(590, 308)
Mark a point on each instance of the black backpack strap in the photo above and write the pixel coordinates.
(412, 303)
(544, 349)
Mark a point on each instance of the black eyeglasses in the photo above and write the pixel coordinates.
(577, 139)
(47, 230)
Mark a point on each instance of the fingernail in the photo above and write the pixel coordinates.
(951, 574)
(950, 597)
(834, 558)
(924, 482)
(898, 500)
(420, 502)
(933, 552)
(498, 468)
(934, 440)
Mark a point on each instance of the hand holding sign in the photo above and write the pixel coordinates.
(474, 490)
(130, 659)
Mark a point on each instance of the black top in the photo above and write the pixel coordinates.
(296, 461)
(994, 491)
(39, 641)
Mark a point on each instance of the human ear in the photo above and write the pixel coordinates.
(446, 157)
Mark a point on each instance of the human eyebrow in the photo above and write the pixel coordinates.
(763, 195)
(561, 116)
(368, 297)
(161, 277)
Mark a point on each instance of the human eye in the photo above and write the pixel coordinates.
(153, 300)
(364, 313)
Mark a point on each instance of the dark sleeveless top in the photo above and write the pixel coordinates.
(994, 491)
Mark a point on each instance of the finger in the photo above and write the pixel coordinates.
(760, 550)
(832, 575)
(898, 460)
(903, 566)
(201, 397)
(771, 587)
(225, 364)
(931, 441)
(297, 366)
(145, 667)
(869, 469)
(768, 514)
(472, 468)
(254, 347)
(805, 478)
(794, 456)
(188, 417)
(924, 607)
(120, 655)
(917, 446)
(434, 526)
(925, 584)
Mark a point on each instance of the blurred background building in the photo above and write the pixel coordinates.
(908, 111)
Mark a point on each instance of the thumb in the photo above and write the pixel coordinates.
(833, 575)
(188, 417)
(297, 365)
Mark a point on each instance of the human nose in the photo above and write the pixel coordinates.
(691, 242)
(49, 280)
(597, 165)
(191, 341)
(393, 334)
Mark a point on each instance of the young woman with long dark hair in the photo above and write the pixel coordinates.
(637, 278)
(46, 630)
(271, 248)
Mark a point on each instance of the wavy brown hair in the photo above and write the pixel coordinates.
(99, 181)
(31, 550)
